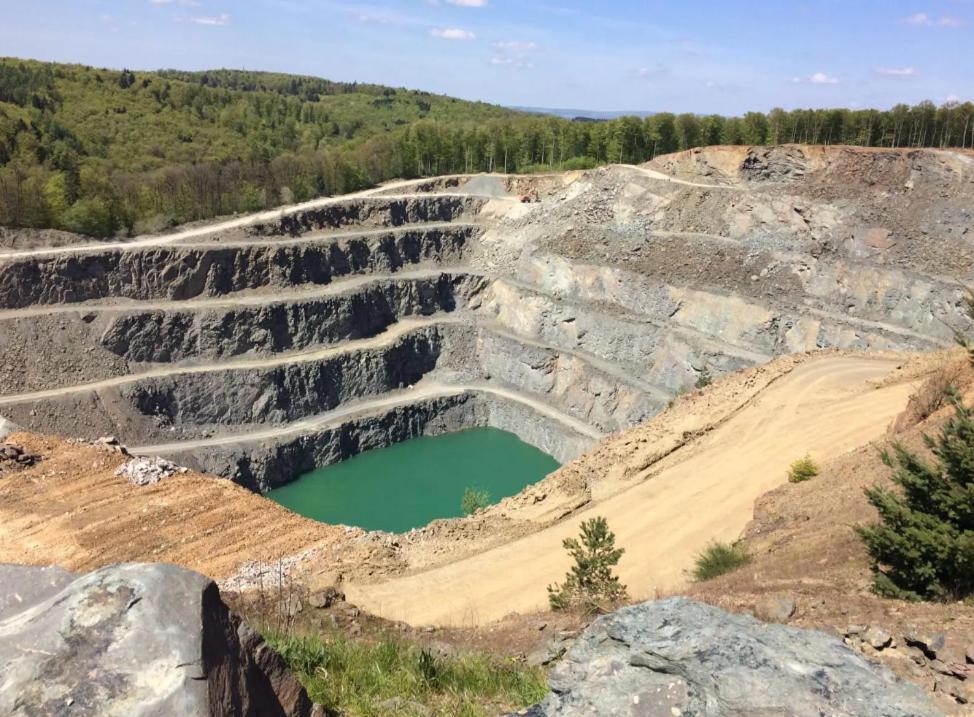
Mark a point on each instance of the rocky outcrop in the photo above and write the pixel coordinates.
(678, 657)
(184, 272)
(134, 640)
(192, 404)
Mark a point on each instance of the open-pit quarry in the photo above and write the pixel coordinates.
(261, 348)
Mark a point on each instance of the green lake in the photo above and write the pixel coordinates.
(409, 484)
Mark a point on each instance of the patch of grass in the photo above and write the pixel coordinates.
(802, 470)
(393, 676)
(719, 559)
(473, 500)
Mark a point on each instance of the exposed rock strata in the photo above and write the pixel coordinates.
(623, 288)
(179, 272)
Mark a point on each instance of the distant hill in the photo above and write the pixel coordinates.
(103, 152)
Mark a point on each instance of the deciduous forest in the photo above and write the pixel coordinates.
(105, 152)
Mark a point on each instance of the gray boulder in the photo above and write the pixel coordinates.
(678, 657)
(133, 640)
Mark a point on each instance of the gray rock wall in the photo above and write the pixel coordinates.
(196, 404)
(184, 272)
(171, 336)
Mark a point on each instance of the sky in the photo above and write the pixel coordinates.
(703, 56)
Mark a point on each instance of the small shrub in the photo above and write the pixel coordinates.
(704, 379)
(935, 392)
(590, 584)
(923, 545)
(802, 470)
(473, 500)
(719, 559)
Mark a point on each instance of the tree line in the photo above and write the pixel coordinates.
(103, 152)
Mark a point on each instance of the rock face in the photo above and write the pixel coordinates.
(286, 337)
(678, 657)
(133, 640)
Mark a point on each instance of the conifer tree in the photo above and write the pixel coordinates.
(923, 546)
(590, 584)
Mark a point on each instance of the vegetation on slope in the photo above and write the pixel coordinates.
(719, 559)
(103, 152)
(923, 545)
(393, 676)
(590, 586)
(803, 469)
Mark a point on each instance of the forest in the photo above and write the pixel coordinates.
(108, 152)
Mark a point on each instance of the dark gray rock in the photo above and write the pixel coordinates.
(678, 657)
(134, 640)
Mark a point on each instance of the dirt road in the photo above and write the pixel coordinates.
(700, 493)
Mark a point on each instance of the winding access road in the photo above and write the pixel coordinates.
(705, 491)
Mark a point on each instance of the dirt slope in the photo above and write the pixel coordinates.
(702, 492)
(71, 510)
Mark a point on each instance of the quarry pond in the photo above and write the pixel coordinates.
(409, 484)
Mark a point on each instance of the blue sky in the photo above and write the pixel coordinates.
(726, 56)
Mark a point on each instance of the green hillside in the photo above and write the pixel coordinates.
(105, 152)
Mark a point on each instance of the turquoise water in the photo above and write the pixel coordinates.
(409, 484)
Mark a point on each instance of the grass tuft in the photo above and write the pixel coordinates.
(474, 499)
(719, 559)
(802, 470)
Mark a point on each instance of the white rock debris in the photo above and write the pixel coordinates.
(146, 471)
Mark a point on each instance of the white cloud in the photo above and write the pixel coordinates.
(898, 71)
(648, 73)
(518, 62)
(212, 20)
(922, 19)
(190, 3)
(820, 78)
(452, 33)
(516, 45)
(953, 99)
(468, 3)
(373, 18)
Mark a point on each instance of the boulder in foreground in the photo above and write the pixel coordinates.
(134, 640)
(679, 657)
